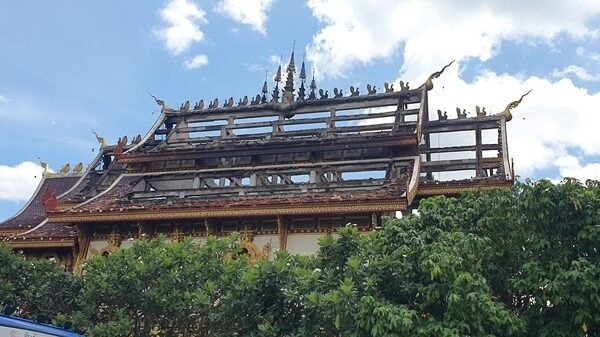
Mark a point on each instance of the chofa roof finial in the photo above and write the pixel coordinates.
(429, 82)
(512, 105)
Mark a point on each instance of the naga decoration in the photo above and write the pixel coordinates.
(65, 169)
(441, 116)
(324, 95)
(354, 92)
(479, 112)
(44, 165)
(337, 93)
(404, 87)
(78, 168)
(388, 88)
(461, 115)
(255, 100)
(214, 104)
(100, 140)
(185, 106)
(161, 103)
(429, 82)
(371, 90)
(512, 105)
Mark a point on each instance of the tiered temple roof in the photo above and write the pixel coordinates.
(291, 153)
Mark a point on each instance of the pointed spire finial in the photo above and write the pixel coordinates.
(288, 90)
(313, 87)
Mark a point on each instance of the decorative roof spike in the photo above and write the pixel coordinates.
(512, 105)
(275, 94)
(429, 82)
(303, 72)
(302, 90)
(277, 78)
(288, 90)
(313, 88)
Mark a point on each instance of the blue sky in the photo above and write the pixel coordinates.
(70, 67)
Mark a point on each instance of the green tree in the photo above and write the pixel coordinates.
(36, 286)
(161, 288)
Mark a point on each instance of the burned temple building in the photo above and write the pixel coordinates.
(282, 169)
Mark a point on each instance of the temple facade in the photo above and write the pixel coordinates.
(281, 168)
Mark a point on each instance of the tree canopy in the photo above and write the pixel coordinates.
(521, 261)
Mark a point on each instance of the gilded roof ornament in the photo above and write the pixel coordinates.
(65, 169)
(429, 82)
(78, 168)
(100, 140)
(512, 105)
(47, 172)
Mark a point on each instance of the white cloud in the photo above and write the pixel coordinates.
(196, 62)
(570, 166)
(183, 18)
(578, 71)
(17, 183)
(433, 32)
(4, 99)
(585, 53)
(248, 12)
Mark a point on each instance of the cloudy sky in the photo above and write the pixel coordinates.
(70, 67)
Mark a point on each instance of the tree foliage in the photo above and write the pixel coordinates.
(522, 261)
(35, 287)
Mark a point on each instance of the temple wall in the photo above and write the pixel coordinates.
(305, 243)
